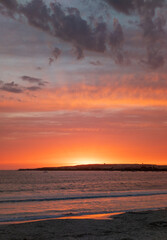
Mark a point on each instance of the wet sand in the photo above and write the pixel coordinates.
(148, 225)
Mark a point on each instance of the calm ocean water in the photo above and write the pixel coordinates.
(36, 195)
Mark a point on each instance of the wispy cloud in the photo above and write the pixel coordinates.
(103, 93)
(96, 63)
(11, 87)
(38, 81)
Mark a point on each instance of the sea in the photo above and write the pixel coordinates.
(40, 195)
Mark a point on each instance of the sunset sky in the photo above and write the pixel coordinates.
(82, 81)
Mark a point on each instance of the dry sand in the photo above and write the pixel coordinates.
(150, 225)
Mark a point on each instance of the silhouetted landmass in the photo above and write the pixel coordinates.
(103, 167)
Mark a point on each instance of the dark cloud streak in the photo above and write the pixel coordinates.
(33, 88)
(11, 87)
(38, 81)
(31, 79)
(96, 63)
(56, 53)
(131, 6)
(78, 52)
(124, 6)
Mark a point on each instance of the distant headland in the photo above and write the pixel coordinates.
(103, 167)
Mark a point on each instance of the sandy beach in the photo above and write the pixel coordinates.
(148, 225)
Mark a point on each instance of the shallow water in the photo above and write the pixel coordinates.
(42, 195)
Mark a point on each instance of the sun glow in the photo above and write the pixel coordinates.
(85, 161)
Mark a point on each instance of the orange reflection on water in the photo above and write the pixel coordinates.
(103, 216)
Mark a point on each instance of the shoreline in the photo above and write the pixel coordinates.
(147, 225)
(93, 216)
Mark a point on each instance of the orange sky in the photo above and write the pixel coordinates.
(66, 100)
(66, 137)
